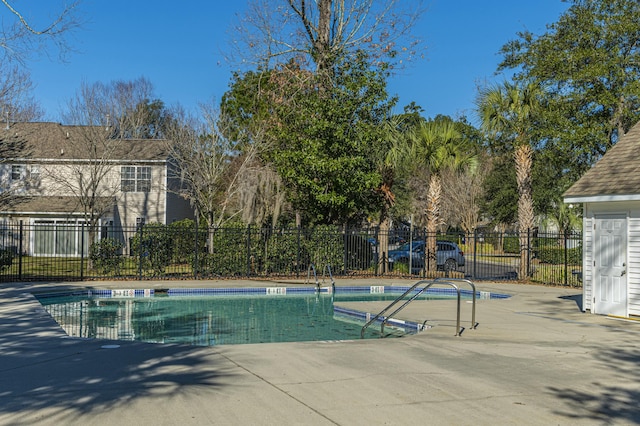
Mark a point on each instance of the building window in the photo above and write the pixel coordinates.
(29, 175)
(135, 178)
(33, 177)
(17, 171)
(143, 179)
(34, 173)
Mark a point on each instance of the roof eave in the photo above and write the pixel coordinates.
(602, 198)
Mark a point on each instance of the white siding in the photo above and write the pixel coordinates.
(631, 209)
(633, 265)
(587, 265)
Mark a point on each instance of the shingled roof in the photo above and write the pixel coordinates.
(67, 205)
(56, 141)
(615, 177)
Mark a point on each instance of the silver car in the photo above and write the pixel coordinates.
(449, 256)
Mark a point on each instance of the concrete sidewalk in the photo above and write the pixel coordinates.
(535, 359)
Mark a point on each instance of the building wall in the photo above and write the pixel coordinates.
(631, 210)
(151, 205)
(62, 179)
(587, 265)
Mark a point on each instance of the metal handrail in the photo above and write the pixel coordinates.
(402, 296)
(315, 276)
(473, 289)
(384, 321)
(413, 297)
(327, 268)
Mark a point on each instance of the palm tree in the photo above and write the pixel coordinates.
(390, 164)
(565, 217)
(438, 145)
(508, 112)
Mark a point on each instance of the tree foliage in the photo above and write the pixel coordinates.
(588, 63)
(501, 191)
(323, 152)
(321, 142)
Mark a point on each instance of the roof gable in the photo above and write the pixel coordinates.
(617, 173)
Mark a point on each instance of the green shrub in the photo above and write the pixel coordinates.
(325, 245)
(6, 258)
(184, 240)
(285, 253)
(153, 245)
(401, 267)
(511, 244)
(106, 255)
(554, 255)
(235, 250)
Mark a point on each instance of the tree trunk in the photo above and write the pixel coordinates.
(524, 162)
(322, 44)
(434, 195)
(383, 244)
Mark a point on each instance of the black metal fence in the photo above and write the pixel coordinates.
(61, 251)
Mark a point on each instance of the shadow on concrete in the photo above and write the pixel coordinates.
(42, 369)
(610, 404)
(576, 298)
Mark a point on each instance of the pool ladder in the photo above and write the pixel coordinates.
(418, 292)
(327, 269)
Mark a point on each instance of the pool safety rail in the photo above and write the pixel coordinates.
(417, 289)
(325, 270)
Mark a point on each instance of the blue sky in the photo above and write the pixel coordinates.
(179, 47)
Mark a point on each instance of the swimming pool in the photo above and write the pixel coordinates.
(216, 316)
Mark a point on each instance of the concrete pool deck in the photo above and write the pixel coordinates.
(534, 359)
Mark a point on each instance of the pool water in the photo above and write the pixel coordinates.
(208, 320)
(211, 317)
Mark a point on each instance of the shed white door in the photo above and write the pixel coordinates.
(610, 283)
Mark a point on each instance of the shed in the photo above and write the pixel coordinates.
(610, 195)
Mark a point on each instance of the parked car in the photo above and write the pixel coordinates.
(449, 256)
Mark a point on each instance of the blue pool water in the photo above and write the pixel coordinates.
(222, 316)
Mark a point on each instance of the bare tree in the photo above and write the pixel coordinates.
(16, 105)
(16, 102)
(261, 195)
(22, 37)
(462, 193)
(222, 178)
(90, 181)
(125, 106)
(101, 115)
(323, 31)
(136, 114)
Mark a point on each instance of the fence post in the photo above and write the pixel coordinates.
(195, 252)
(381, 261)
(82, 252)
(20, 252)
(345, 244)
(298, 259)
(566, 257)
(475, 250)
(249, 250)
(529, 274)
(140, 251)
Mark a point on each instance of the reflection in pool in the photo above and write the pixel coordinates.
(213, 320)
